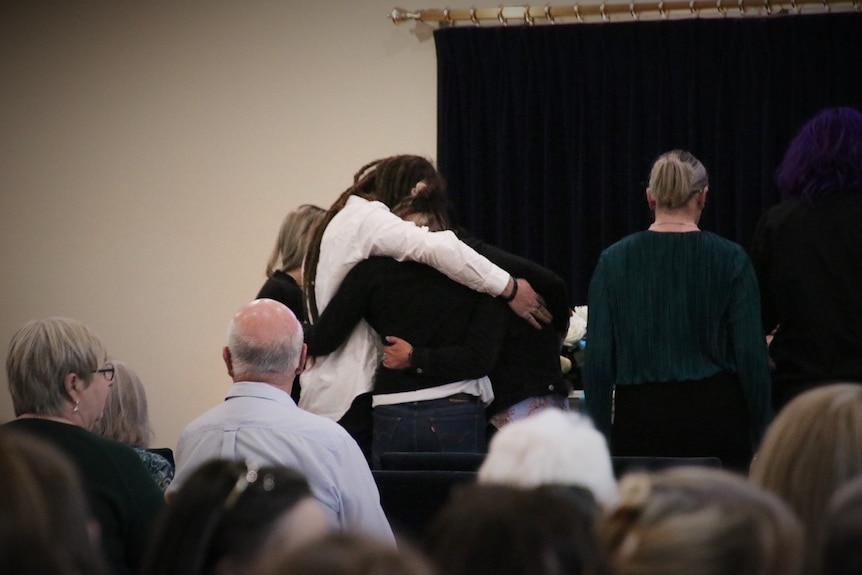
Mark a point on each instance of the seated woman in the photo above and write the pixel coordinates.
(820, 429)
(228, 517)
(675, 339)
(552, 446)
(47, 527)
(347, 553)
(127, 420)
(701, 521)
(60, 379)
(489, 529)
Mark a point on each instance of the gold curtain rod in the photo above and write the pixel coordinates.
(549, 14)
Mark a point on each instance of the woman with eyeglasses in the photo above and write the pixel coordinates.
(229, 517)
(59, 379)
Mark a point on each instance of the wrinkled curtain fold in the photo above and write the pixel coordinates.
(546, 134)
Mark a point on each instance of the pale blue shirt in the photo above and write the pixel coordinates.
(261, 424)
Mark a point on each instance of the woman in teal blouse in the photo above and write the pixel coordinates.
(676, 359)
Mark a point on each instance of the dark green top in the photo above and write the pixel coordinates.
(674, 307)
(123, 496)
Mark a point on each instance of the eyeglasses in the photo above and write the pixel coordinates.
(107, 371)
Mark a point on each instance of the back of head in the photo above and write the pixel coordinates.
(387, 180)
(348, 553)
(821, 430)
(225, 512)
(700, 521)
(41, 354)
(126, 417)
(675, 177)
(265, 339)
(293, 238)
(842, 554)
(824, 158)
(506, 530)
(45, 525)
(391, 179)
(425, 206)
(551, 447)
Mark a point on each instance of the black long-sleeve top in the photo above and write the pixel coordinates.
(456, 333)
(808, 260)
(529, 361)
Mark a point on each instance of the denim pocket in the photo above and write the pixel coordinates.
(385, 436)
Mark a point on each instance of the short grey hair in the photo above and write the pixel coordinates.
(251, 355)
(41, 354)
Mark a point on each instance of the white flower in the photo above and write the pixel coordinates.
(577, 326)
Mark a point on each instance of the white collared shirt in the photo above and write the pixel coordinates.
(261, 424)
(360, 230)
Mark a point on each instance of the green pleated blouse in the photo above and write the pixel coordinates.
(674, 307)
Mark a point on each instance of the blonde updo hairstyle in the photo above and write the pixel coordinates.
(701, 521)
(675, 177)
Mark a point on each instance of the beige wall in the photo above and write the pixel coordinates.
(149, 150)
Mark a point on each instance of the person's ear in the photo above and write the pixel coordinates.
(72, 384)
(303, 356)
(228, 360)
(650, 199)
(701, 197)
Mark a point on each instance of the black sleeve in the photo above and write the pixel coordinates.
(760, 253)
(547, 284)
(476, 354)
(342, 313)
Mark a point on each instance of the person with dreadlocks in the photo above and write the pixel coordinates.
(360, 225)
(430, 391)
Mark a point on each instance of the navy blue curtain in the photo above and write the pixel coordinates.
(546, 134)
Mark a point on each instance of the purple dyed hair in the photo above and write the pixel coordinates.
(824, 158)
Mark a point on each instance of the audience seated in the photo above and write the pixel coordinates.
(551, 446)
(347, 553)
(506, 530)
(60, 378)
(228, 516)
(46, 526)
(701, 521)
(842, 531)
(811, 449)
(259, 422)
(127, 420)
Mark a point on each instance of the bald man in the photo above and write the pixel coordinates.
(259, 422)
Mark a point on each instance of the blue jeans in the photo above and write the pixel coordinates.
(438, 425)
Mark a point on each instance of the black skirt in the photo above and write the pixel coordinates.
(696, 418)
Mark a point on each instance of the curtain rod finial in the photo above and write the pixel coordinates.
(399, 15)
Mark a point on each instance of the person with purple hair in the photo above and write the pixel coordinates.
(807, 253)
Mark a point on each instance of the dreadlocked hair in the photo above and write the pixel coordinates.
(387, 180)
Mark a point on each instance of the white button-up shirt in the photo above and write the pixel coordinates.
(360, 230)
(262, 425)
